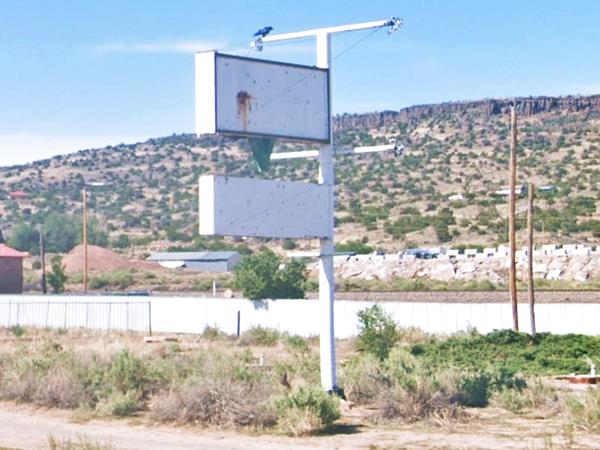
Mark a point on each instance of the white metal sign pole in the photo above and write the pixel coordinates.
(326, 273)
(326, 178)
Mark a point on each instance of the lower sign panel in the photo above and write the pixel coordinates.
(264, 208)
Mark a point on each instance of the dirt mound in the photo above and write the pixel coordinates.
(102, 260)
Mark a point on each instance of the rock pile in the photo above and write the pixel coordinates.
(376, 267)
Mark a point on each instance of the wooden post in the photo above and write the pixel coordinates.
(85, 242)
(511, 218)
(530, 193)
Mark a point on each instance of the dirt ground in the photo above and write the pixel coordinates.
(25, 427)
(103, 260)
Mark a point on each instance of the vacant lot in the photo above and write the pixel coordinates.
(261, 391)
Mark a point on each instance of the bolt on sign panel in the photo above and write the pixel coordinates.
(263, 208)
(259, 98)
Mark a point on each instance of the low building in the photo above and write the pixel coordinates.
(11, 270)
(547, 188)
(456, 198)
(519, 191)
(200, 261)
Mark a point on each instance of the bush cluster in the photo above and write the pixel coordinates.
(203, 387)
(544, 354)
(406, 384)
(118, 279)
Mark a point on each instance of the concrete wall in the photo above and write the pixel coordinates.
(192, 315)
(11, 275)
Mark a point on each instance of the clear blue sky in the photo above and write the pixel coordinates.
(77, 74)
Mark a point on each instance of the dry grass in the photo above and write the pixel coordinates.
(300, 422)
(220, 402)
(537, 397)
(215, 381)
(82, 443)
(60, 389)
(426, 402)
(582, 412)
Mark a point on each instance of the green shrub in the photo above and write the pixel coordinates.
(262, 336)
(298, 343)
(303, 366)
(212, 333)
(128, 373)
(512, 352)
(57, 277)
(363, 378)
(377, 332)
(204, 284)
(299, 422)
(288, 244)
(121, 404)
(408, 389)
(536, 395)
(17, 330)
(120, 279)
(512, 400)
(473, 388)
(311, 406)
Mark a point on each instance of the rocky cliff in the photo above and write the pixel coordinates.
(527, 106)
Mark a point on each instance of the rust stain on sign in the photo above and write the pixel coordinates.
(244, 106)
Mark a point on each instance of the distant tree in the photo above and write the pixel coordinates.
(25, 237)
(96, 235)
(174, 234)
(61, 233)
(264, 275)
(122, 241)
(2, 240)
(57, 277)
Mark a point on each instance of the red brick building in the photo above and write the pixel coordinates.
(11, 270)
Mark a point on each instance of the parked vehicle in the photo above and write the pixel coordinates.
(420, 253)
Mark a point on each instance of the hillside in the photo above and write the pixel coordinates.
(452, 149)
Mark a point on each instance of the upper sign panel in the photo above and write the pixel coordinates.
(258, 98)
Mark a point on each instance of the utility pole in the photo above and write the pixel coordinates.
(530, 194)
(43, 257)
(85, 241)
(511, 218)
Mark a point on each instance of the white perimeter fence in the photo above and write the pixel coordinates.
(76, 312)
(192, 315)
